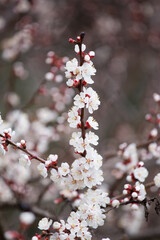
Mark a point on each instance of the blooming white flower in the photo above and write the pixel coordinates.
(71, 66)
(42, 170)
(77, 141)
(73, 117)
(24, 160)
(91, 122)
(56, 225)
(73, 69)
(73, 222)
(91, 138)
(55, 176)
(79, 100)
(91, 99)
(92, 214)
(70, 83)
(157, 180)
(93, 177)
(96, 197)
(44, 224)
(87, 71)
(52, 159)
(64, 169)
(140, 174)
(93, 159)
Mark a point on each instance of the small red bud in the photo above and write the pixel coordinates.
(71, 40)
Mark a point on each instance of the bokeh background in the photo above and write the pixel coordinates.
(125, 35)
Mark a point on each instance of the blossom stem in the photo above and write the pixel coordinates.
(81, 89)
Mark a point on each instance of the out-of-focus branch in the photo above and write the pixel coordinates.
(23, 149)
(139, 146)
(43, 192)
(2, 237)
(22, 206)
(148, 234)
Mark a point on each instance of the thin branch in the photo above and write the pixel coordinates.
(121, 196)
(43, 192)
(25, 150)
(139, 146)
(23, 207)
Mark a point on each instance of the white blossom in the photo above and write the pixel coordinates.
(24, 160)
(64, 169)
(44, 224)
(42, 170)
(91, 138)
(92, 123)
(56, 225)
(87, 71)
(73, 117)
(91, 99)
(140, 173)
(52, 159)
(79, 100)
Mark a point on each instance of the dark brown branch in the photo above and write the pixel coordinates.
(81, 89)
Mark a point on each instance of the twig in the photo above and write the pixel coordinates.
(26, 151)
(139, 146)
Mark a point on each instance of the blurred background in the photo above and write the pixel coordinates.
(125, 35)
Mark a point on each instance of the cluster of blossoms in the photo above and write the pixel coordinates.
(154, 118)
(89, 213)
(19, 43)
(85, 170)
(135, 171)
